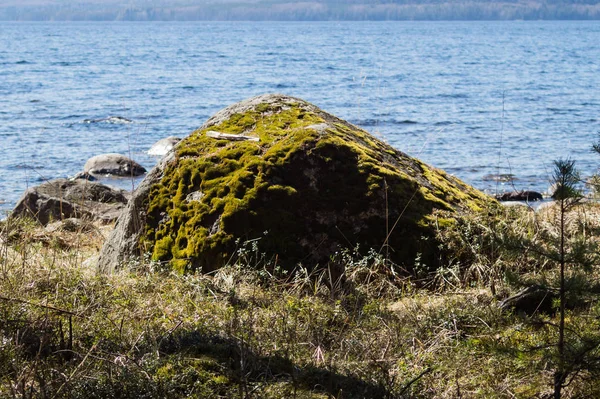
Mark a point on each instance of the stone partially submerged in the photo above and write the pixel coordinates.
(163, 146)
(113, 165)
(297, 182)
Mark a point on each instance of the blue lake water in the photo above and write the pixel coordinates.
(473, 98)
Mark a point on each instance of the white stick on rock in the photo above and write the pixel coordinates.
(227, 136)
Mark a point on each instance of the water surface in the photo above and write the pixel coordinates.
(474, 98)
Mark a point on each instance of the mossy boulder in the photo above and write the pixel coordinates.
(294, 180)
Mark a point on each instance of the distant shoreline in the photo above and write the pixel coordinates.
(324, 10)
(294, 21)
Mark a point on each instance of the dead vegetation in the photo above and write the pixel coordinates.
(251, 330)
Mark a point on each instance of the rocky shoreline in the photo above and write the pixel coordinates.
(237, 129)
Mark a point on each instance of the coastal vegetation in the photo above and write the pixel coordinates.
(252, 330)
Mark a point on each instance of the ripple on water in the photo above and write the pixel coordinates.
(448, 93)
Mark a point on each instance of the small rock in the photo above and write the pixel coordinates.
(531, 300)
(162, 146)
(83, 176)
(62, 199)
(113, 165)
(528, 196)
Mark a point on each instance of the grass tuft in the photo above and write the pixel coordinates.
(253, 330)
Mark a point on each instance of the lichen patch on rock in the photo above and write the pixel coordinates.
(301, 185)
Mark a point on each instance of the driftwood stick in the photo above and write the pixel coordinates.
(231, 137)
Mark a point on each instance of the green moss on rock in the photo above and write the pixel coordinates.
(310, 185)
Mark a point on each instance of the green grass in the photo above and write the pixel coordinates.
(251, 330)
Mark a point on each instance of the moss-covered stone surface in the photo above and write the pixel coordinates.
(304, 185)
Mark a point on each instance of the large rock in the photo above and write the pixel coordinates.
(278, 175)
(62, 198)
(113, 165)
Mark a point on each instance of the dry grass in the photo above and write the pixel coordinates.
(66, 331)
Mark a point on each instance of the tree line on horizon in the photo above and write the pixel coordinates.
(282, 10)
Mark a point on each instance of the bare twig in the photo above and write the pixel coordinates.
(417, 378)
(7, 299)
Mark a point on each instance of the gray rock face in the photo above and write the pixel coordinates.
(163, 146)
(113, 165)
(123, 243)
(62, 198)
